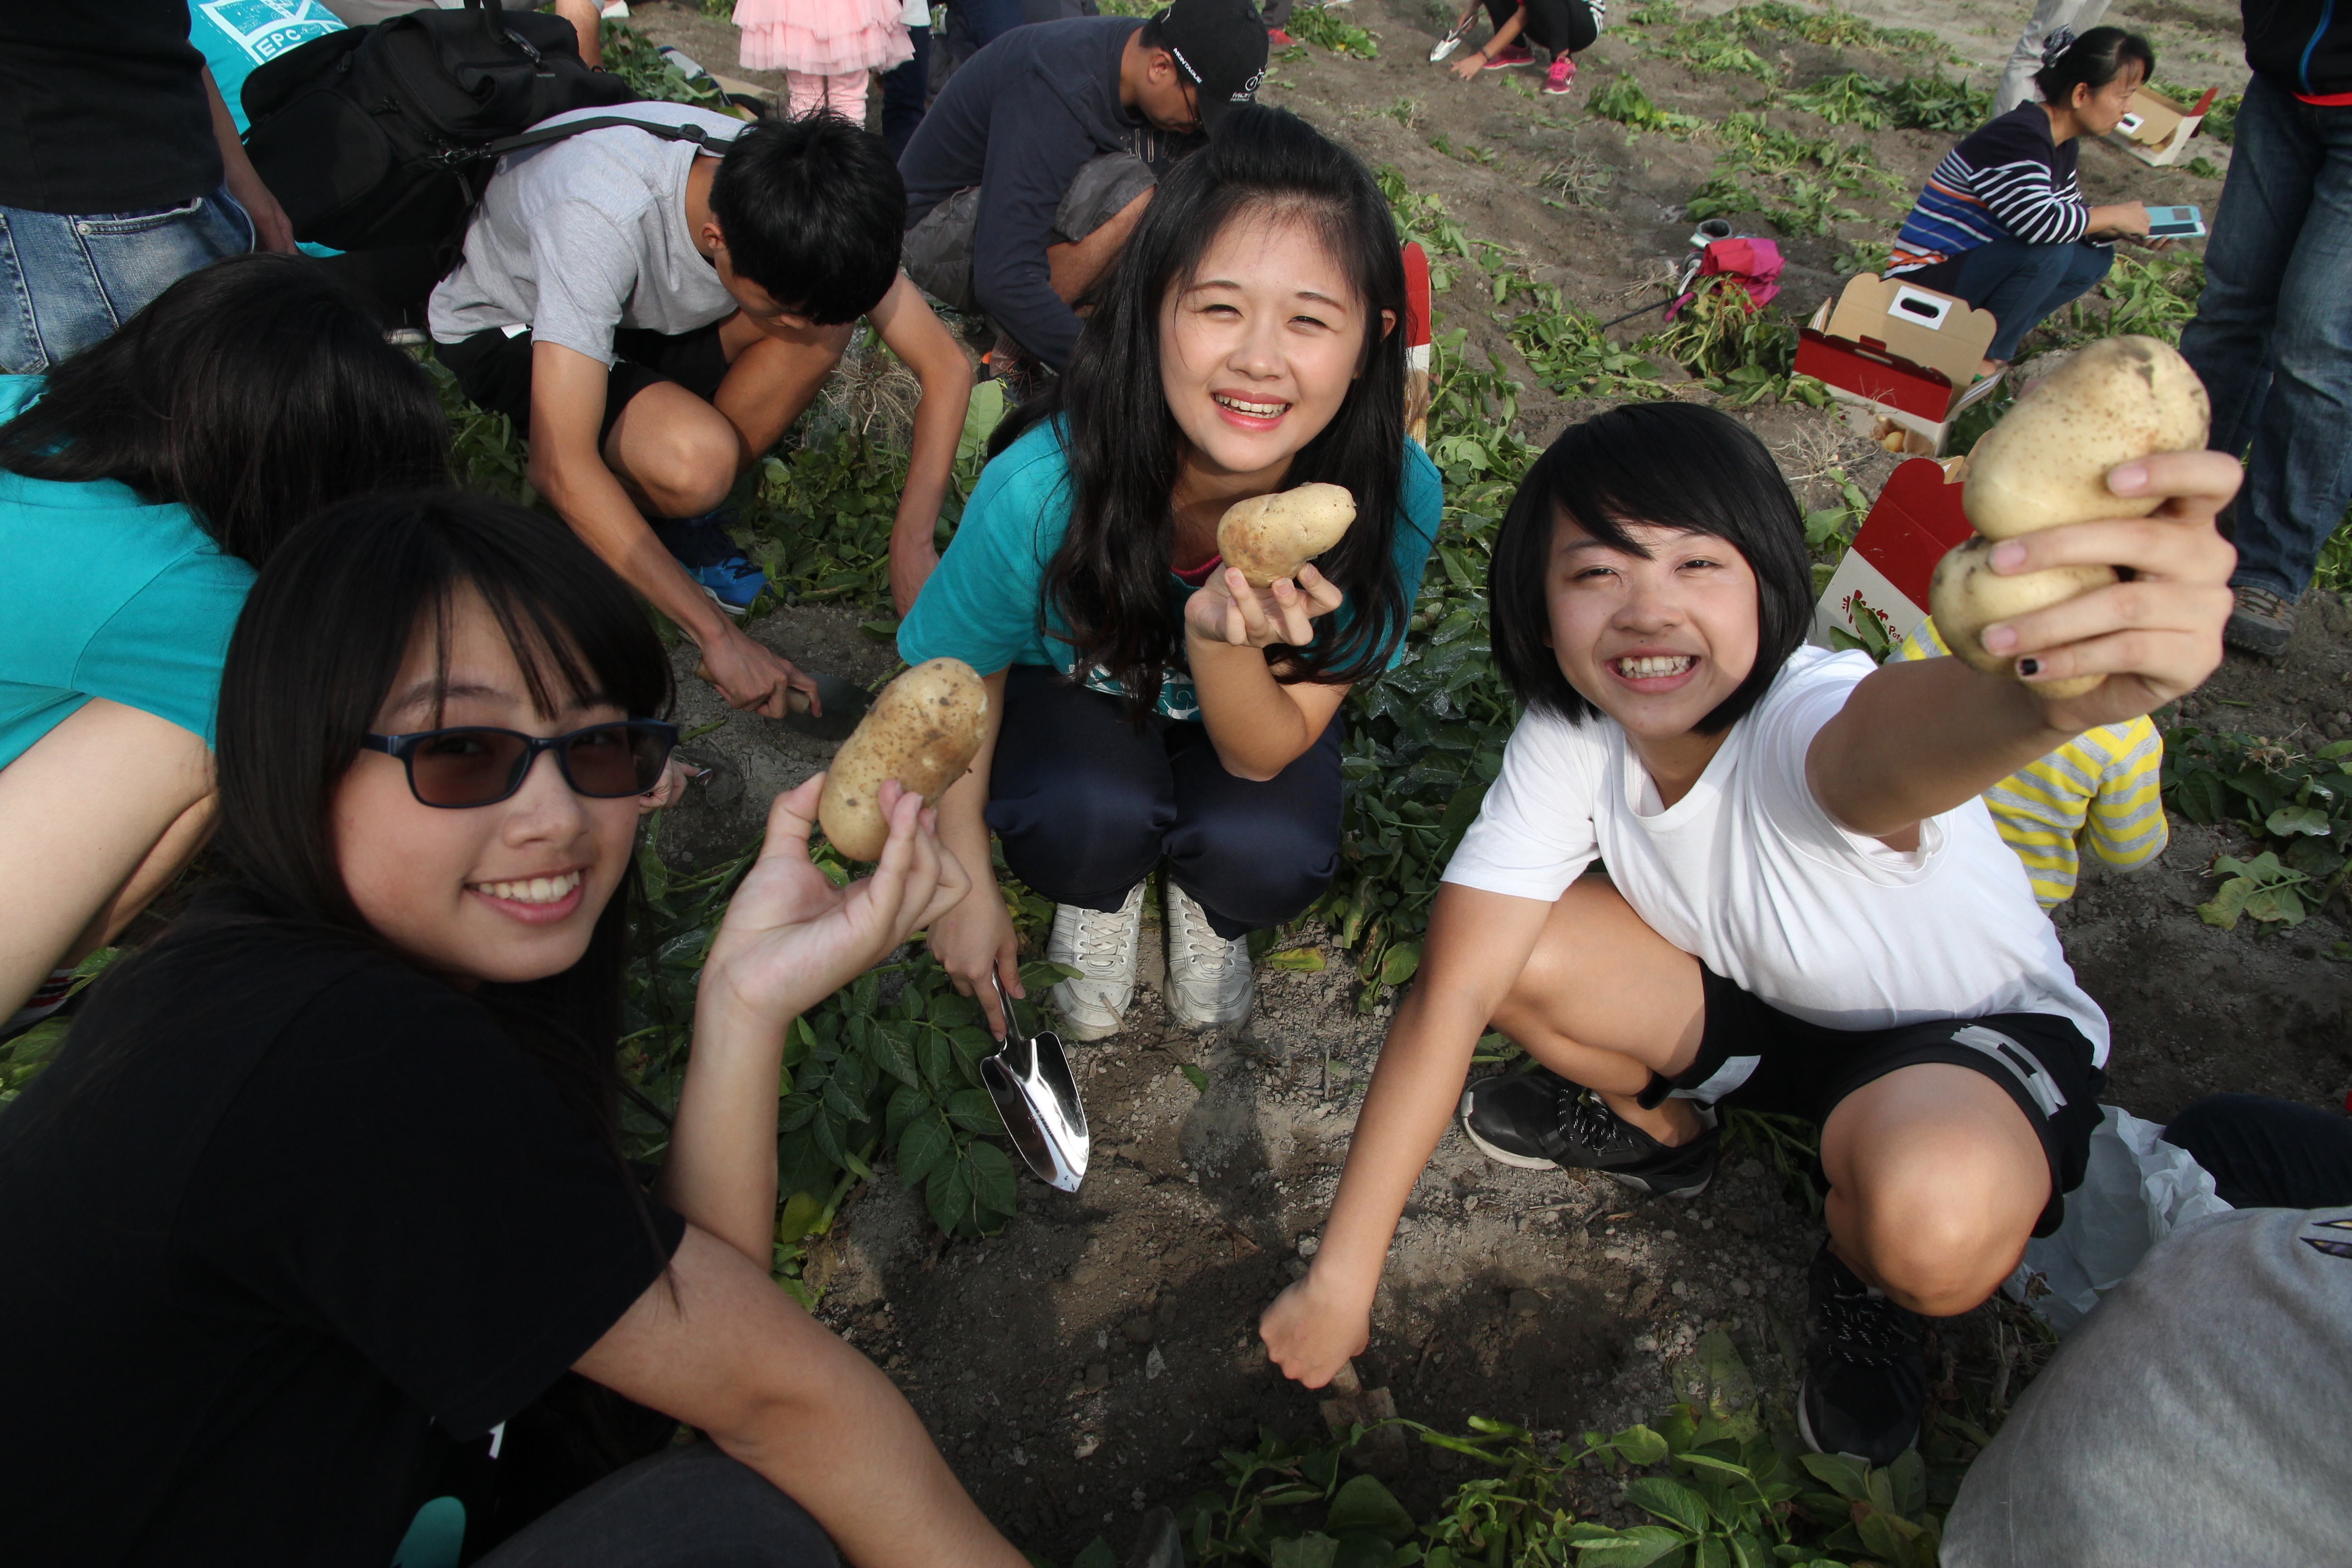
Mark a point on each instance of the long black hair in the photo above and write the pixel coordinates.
(1108, 579)
(253, 391)
(322, 637)
(1669, 465)
(2093, 60)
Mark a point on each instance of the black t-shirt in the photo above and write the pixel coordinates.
(102, 107)
(265, 1276)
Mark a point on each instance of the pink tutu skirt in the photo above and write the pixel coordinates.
(823, 37)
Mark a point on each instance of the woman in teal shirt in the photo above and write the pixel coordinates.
(142, 482)
(1147, 705)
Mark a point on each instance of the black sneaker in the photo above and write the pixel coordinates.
(1865, 1382)
(1540, 1121)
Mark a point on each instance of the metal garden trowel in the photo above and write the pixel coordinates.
(845, 702)
(1353, 1404)
(1453, 40)
(1030, 1081)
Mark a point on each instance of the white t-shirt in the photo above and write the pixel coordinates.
(585, 235)
(1749, 874)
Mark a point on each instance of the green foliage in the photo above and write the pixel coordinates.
(1325, 30)
(1727, 44)
(1624, 102)
(2332, 573)
(1929, 103)
(1864, 256)
(1734, 346)
(637, 60)
(2221, 121)
(2297, 806)
(1718, 1488)
(24, 1056)
(1563, 345)
(2156, 297)
(1424, 218)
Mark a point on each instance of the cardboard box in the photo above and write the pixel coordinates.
(1899, 352)
(2155, 129)
(1885, 576)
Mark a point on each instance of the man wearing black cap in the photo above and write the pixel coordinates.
(1029, 173)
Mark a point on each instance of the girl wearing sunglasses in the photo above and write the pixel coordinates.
(325, 1208)
(142, 483)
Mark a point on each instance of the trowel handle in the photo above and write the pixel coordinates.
(795, 699)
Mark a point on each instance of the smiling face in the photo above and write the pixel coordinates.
(1258, 349)
(506, 892)
(1656, 641)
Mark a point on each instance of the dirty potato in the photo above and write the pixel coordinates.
(1966, 595)
(1272, 536)
(2046, 462)
(923, 730)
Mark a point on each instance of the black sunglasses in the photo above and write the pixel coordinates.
(474, 765)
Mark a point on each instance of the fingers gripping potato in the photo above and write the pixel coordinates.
(2045, 465)
(923, 730)
(1270, 537)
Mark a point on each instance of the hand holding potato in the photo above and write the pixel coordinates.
(2153, 637)
(1226, 609)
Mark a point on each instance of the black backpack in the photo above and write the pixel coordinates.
(382, 136)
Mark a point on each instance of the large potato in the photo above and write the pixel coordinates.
(1272, 536)
(923, 730)
(2046, 462)
(1965, 596)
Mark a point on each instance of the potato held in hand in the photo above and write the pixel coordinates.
(923, 730)
(1271, 537)
(2046, 463)
(1966, 595)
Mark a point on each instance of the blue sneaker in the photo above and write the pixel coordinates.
(711, 559)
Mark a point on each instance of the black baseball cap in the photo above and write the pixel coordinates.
(1219, 46)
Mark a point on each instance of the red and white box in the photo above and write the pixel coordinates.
(1893, 351)
(1885, 576)
(2155, 129)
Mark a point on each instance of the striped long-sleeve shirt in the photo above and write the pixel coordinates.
(2100, 786)
(2008, 181)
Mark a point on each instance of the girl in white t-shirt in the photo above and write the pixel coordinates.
(1806, 908)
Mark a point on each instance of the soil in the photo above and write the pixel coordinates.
(1086, 1363)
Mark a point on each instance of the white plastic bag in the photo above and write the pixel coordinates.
(2136, 1191)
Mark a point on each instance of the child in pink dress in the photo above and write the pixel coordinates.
(826, 48)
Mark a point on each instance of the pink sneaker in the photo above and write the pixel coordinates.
(1558, 78)
(1517, 55)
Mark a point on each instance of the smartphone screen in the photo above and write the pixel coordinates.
(2174, 223)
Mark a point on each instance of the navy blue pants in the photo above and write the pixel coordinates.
(906, 91)
(2266, 1154)
(1085, 805)
(2021, 284)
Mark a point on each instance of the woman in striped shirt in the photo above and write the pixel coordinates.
(2002, 222)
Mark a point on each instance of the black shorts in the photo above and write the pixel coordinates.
(494, 370)
(1754, 1057)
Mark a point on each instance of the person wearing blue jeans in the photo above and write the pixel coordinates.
(2022, 285)
(2272, 337)
(120, 172)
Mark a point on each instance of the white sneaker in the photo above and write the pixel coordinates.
(1101, 948)
(1211, 981)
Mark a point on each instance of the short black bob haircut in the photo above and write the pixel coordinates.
(253, 391)
(813, 212)
(1669, 465)
(2094, 60)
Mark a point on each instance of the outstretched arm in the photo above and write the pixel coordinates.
(915, 336)
(1914, 741)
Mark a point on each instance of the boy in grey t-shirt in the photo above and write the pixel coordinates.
(656, 315)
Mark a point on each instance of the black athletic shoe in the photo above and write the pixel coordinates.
(1540, 1121)
(1865, 1382)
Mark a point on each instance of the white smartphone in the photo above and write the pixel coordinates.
(2174, 223)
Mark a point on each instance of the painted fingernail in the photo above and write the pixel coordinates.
(2029, 667)
(1999, 638)
(2008, 555)
(2129, 480)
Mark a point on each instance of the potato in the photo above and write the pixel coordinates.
(923, 730)
(1966, 595)
(1272, 536)
(2046, 462)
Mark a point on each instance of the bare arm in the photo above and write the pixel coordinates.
(977, 935)
(1505, 36)
(733, 1356)
(271, 228)
(95, 818)
(1478, 944)
(1258, 725)
(1916, 740)
(915, 336)
(790, 940)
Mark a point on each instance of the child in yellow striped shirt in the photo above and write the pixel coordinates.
(2102, 786)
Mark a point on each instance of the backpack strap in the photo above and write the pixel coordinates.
(700, 135)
